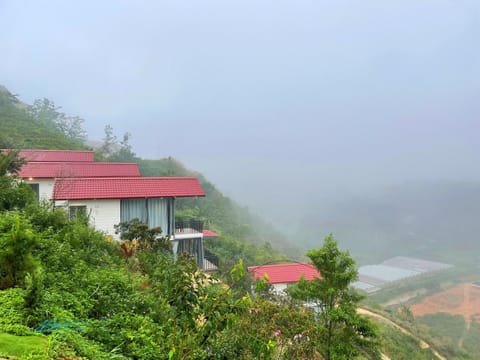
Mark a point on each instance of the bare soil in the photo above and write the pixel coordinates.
(463, 299)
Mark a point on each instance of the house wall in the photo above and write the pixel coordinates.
(45, 187)
(103, 214)
(280, 287)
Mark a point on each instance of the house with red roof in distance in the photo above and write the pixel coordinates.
(110, 193)
(280, 276)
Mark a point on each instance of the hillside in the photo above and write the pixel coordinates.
(89, 299)
(432, 220)
(19, 130)
(243, 234)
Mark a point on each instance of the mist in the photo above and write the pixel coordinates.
(314, 114)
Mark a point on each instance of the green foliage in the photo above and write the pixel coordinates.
(44, 111)
(23, 347)
(10, 163)
(12, 306)
(398, 345)
(445, 325)
(17, 242)
(343, 332)
(13, 192)
(19, 130)
(112, 150)
(148, 238)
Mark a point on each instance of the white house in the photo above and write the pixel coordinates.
(109, 201)
(110, 193)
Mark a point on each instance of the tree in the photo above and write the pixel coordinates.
(110, 142)
(13, 192)
(125, 152)
(148, 238)
(343, 333)
(45, 111)
(17, 241)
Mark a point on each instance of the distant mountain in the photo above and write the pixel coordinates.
(433, 220)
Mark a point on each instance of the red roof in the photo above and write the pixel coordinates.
(125, 188)
(285, 273)
(57, 155)
(208, 233)
(77, 169)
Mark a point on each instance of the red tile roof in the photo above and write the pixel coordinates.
(285, 273)
(77, 169)
(210, 234)
(125, 188)
(57, 155)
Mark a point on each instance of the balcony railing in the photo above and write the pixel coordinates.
(210, 261)
(188, 225)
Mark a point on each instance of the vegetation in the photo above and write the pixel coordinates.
(66, 280)
(68, 292)
(344, 334)
(22, 130)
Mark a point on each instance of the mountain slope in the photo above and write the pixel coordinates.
(19, 130)
(243, 235)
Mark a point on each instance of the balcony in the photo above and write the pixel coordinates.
(188, 226)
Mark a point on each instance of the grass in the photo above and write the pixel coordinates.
(445, 325)
(23, 347)
(400, 346)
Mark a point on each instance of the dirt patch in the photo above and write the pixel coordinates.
(463, 299)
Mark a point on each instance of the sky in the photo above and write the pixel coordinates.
(276, 102)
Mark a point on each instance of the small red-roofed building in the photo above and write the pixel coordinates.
(280, 276)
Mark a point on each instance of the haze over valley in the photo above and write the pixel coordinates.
(360, 119)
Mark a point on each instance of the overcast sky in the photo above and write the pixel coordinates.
(271, 100)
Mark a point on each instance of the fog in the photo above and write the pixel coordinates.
(293, 108)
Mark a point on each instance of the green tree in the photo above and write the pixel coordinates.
(125, 152)
(110, 142)
(17, 242)
(343, 333)
(148, 238)
(14, 193)
(45, 111)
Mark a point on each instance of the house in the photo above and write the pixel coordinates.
(280, 276)
(110, 193)
(109, 201)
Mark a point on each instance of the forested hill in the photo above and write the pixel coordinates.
(243, 234)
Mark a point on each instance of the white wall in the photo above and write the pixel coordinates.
(279, 288)
(104, 214)
(45, 187)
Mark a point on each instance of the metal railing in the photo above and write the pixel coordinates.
(188, 225)
(210, 260)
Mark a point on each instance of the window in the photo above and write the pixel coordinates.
(153, 212)
(36, 189)
(77, 211)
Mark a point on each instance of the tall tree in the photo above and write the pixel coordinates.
(110, 143)
(125, 152)
(344, 334)
(45, 111)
